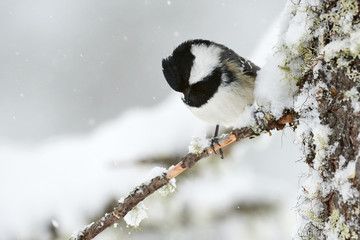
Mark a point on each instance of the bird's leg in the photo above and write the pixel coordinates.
(215, 140)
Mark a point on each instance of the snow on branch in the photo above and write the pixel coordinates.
(124, 206)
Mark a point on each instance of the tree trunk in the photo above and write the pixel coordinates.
(329, 119)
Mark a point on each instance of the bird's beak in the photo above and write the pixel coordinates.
(186, 95)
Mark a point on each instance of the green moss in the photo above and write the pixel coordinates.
(285, 68)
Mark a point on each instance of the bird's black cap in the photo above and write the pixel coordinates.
(177, 67)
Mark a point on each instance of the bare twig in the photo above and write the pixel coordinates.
(144, 190)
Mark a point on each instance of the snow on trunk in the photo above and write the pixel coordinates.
(320, 51)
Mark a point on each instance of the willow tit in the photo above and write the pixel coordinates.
(216, 83)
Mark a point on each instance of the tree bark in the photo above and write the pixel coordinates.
(329, 204)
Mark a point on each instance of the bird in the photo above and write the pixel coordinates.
(216, 83)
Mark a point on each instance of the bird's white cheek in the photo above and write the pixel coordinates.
(206, 60)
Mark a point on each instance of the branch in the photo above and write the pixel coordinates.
(141, 192)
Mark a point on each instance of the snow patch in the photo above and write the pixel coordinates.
(342, 182)
(272, 90)
(297, 28)
(354, 96)
(333, 49)
(155, 172)
(355, 42)
(276, 82)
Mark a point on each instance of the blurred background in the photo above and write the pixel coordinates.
(85, 113)
(67, 67)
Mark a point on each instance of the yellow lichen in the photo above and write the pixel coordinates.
(338, 226)
(354, 235)
(341, 22)
(344, 231)
(312, 216)
(334, 218)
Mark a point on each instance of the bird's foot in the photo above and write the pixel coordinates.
(215, 140)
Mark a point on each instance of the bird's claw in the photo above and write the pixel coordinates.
(215, 140)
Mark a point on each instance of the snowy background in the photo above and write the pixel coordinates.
(85, 113)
